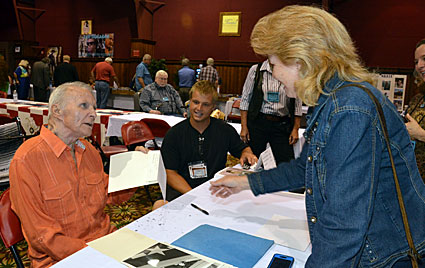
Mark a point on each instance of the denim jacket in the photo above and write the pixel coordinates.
(351, 202)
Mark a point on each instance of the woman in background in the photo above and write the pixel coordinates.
(22, 79)
(416, 111)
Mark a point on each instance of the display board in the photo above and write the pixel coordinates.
(394, 87)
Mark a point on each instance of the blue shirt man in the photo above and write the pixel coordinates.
(143, 77)
(187, 78)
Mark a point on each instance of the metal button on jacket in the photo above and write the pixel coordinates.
(310, 158)
(309, 191)
(313, 219)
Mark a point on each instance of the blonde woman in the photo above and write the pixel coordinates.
(22, 79)
(352, 210)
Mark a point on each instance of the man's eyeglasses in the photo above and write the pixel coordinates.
(90, 43)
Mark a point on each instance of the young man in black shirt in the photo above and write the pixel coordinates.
(196, 148)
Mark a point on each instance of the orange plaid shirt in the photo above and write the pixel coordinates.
(60, 203)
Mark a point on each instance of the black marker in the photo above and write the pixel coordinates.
(200, 209)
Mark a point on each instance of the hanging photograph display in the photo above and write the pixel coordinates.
(96, 45)
(394, 87)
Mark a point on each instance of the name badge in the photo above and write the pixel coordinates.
(197, 170)
(273, 96)
(165, 99)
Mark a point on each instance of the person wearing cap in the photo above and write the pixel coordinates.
(22, 79)
(103, 74)
(65, 72)
(40, 78)
(209, 73)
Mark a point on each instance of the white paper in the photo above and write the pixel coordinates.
(286, 231)
(162, 178)
(88, 257)
(266, 159)
(134, 169)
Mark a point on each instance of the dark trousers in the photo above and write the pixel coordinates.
(184, 94)
(263, 131)
(41, 94)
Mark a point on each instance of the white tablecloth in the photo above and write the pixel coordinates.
(241, 212)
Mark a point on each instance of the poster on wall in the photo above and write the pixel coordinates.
(96, 45)
(86, 26)
(394, 87)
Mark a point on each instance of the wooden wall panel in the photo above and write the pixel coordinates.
(233, 74)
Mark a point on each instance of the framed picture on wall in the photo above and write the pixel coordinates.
(86, 26)
(230, 24)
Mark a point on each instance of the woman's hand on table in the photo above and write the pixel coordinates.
(229, 185)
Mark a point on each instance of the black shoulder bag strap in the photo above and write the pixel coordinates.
(413, 254)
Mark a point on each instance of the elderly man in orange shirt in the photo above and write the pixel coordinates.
(57, 184)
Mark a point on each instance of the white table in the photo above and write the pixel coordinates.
(242, 212)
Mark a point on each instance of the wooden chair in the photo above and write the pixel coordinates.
(10, 227)
(235, 118)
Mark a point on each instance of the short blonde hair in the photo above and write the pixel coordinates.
(204, 87)
(24, 63)
(316, 40)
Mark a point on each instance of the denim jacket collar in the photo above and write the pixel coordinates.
(334, 83)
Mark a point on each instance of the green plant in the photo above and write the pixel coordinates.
(157, 65)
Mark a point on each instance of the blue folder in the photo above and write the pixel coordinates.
(226, 245)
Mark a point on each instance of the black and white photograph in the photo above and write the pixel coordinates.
(164, 256)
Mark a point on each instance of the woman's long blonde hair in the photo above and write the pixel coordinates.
(316, 40)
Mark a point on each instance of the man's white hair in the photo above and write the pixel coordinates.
(210, 61)
(59, 94)
(161, 72)
(147, 57)
(108, 59)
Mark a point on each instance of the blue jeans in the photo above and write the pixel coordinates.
(102, 93)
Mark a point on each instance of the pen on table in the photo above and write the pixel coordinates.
(200, 209)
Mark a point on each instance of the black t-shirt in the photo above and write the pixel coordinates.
(182, 146)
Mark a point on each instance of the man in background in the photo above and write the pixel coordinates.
(267, 114)
(103, 73)
(196, 148)
(40, 78)
(187, 78)
(161, 98)
(209, 73)
(65, 72)
(143, 76)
